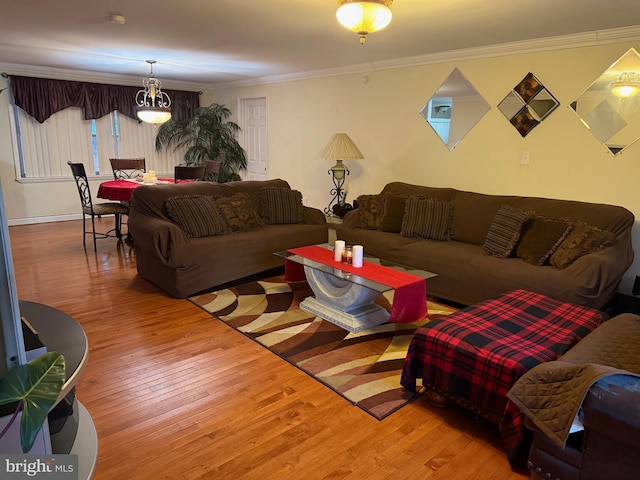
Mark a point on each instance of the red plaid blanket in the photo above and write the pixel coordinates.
(475, 355)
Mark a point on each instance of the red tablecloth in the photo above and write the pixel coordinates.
(121, 190)
(410, 294)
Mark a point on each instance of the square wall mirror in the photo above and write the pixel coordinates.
(610, 106)
(454, 109)
(527, 104)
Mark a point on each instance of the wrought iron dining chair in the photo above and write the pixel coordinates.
(128, 167)
(211, 170)
(183, 172)
(96, 209)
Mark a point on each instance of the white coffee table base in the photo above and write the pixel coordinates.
(339, 301)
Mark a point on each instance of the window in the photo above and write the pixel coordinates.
(43, 149)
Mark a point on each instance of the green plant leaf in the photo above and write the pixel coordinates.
(37, 384)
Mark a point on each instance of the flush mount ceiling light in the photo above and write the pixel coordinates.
(154, 105)
(364, 17)
(626, 85)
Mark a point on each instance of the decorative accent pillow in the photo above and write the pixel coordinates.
(541, 237)
(370, 208)
(582, 240)
(197, 215)
(238, 212)
(427, 218)
(281, 205)
(504, 231)
(393, 213)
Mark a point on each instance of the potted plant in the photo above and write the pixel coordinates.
(35, 387)
(209, 135)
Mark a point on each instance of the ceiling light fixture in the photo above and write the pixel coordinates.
(626, 85)
(154, 105)
(364, 17)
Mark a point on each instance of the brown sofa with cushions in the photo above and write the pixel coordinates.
(482, 246)
(194, 236)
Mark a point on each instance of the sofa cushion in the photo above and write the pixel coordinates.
(197, 215)
(370, 210)
(393, 213)
(540, 237)
(504, 231)
(582, 240)
(427, 218)
(281, 206)
(239, 213)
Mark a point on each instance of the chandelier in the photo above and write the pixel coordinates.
(364, 17)
(626, 85)
(153, 105)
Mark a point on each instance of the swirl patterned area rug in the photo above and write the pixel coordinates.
(364, 367)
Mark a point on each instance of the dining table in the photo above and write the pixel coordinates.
(122, 190)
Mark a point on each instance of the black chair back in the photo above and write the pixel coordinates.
(128, 167)
(80, 176)
(211, 170)
(183, 172)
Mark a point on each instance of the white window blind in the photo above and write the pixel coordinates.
(45, 149)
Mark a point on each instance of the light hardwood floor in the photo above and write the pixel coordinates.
(176, 394)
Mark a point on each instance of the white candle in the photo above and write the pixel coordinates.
(358, 254)
(337, 250)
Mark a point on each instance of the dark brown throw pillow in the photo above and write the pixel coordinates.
(582, 240)
(393, 213)
(427, 218)
(197, 215)
(370, 208)
(541, 237)
(504, 231)
(281, 205)
(238, 212)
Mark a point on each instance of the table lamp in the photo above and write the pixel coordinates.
(339, 148)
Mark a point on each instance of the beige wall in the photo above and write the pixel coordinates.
(382, 117)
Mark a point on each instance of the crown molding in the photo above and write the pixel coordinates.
(587, 39)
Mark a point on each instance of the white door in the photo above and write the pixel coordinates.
(253, 125)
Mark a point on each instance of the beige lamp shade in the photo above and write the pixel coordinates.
(340, 147)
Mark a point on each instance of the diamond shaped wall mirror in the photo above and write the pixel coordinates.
(527, 104)
(610, 107)
(454, 109)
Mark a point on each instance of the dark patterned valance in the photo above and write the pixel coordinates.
(42, 97)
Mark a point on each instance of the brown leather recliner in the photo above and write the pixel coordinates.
(609, 446)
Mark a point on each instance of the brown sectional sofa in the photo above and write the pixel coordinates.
(467, 274)
(183, 265)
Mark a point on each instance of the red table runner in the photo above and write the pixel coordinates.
(410, 294)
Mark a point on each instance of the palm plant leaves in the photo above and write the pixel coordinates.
(208, 135)
(36, 386)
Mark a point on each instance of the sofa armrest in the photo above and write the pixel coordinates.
(152, 234)
(351, 219)
(314, 216)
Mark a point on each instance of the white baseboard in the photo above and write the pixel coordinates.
(55, 218)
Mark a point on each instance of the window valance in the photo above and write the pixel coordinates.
(42, 97)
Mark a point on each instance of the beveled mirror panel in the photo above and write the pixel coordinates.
(454, 109)
(613, 118)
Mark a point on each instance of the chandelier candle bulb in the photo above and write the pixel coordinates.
(337, 250)
(358, 254)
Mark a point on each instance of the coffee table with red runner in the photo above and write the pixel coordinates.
(345, 295)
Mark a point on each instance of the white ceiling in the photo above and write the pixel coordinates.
(225, 41)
